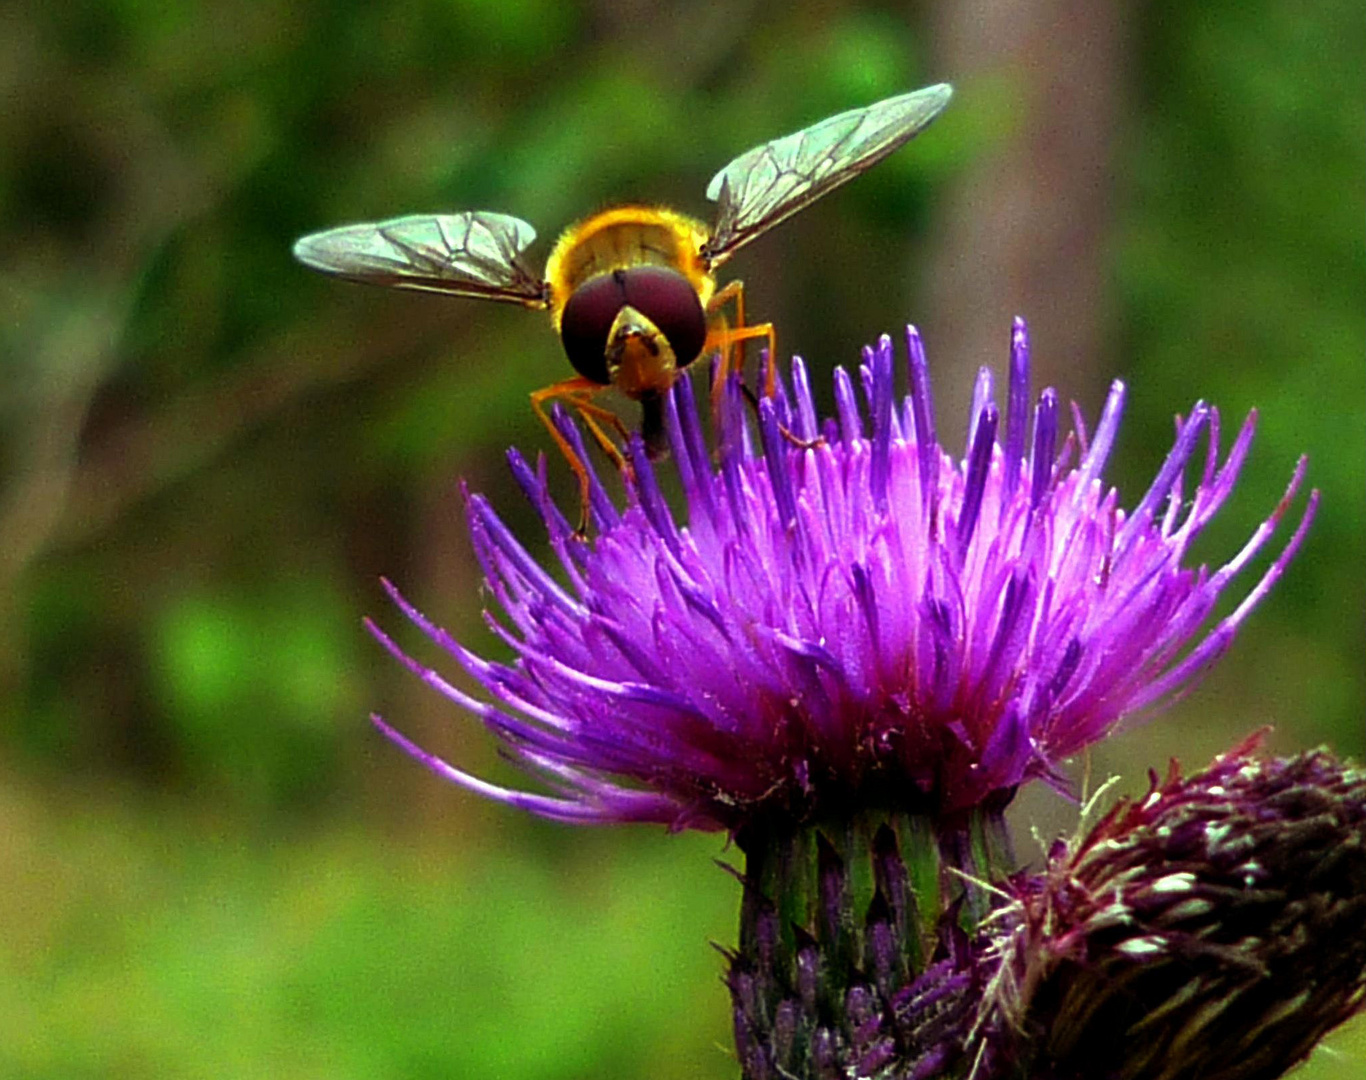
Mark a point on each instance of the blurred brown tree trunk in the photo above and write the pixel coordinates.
(1025, 229)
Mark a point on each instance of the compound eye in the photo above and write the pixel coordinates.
(668, 300)
(662, 295)
(586, 320)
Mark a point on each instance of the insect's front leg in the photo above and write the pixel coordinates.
(726, 336)
(578, 393)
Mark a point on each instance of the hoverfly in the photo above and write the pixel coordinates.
(631, 290)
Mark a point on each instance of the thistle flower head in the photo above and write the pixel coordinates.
(846, 614)
(1212, 930)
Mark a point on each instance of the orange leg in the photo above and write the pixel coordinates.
(724, 336)
(578, 393)
(738, 336)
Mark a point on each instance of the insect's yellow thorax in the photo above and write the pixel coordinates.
(622, 237)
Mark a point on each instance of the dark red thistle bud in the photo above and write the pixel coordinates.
(1212, 930)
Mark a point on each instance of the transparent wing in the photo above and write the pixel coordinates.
(772, 182)
(472, 254)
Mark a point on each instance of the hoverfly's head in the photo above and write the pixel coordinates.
(634, 328)
(640, 359)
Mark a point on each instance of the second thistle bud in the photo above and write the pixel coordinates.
(1213, 930)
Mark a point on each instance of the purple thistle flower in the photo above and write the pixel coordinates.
(849, 616)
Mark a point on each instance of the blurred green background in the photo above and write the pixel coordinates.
(210, 865)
